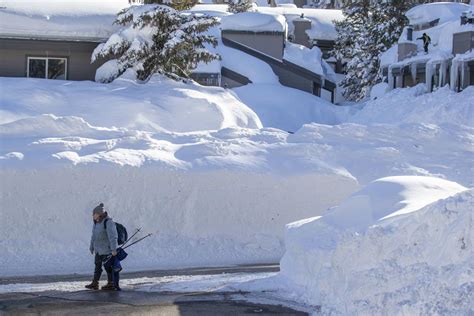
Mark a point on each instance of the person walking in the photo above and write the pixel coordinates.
(104, 244)
(426, 41)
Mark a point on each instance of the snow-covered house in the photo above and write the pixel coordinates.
(53, 39)
(449, 60)
(309, 27)
(264, 36)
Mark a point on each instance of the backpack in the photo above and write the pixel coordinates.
(122, 234)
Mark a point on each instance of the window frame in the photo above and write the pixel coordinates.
(28, 58)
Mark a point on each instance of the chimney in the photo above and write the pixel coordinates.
(301, 25)
(410, 33)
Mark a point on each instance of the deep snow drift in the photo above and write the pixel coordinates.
(401, 245)
(414, 105)
(209, 218)
(211, 195)
(160, 104)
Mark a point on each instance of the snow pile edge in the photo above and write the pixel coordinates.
(420, 262)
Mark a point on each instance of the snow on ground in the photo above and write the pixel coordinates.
(414, 105)
(177, 283)
(386, 250)
(211, 195)
(268, 98)
(161, 104)
(271, 103)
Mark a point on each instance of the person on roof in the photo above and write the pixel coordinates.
(426, 41)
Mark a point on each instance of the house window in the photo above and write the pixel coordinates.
(47, 67)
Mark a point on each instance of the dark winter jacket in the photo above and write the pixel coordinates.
(426, 39)
(104, 240)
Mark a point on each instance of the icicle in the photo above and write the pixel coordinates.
(454, 74)
(463, 67)
(413, 71)
(442, 73)
(429, 75)
(390, 78)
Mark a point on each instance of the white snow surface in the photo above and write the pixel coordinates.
(322, 20)
(310, 59)
(194, 166)
(428, 12)
(254, 22)
(440, 48)
(414, 105)
(160, 105)
(177, 283)
(401, 245)
(54, 19)
(271, 101)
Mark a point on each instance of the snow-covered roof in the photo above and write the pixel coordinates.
(441, 34)
(254, 21)
(310, 59)
(322, 20)
(88, 20)
(444, 11)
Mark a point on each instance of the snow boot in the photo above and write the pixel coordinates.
(108, 287)
(93, 286)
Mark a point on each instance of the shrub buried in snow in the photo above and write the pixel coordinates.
(156, 39)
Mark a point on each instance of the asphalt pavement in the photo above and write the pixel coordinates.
(132, 302)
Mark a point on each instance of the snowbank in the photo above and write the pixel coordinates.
(387, 250)
(208, 218)
(54, 19)
(413, 105)
(161, 104)
(277, 107)
(254, 22)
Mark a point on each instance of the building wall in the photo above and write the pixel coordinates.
(227, 82)
(463, 42)
(14, 54)
(300, 3)
(406, 50)
(269, 43)
(207, 78)
(292, 80)
(471, 73)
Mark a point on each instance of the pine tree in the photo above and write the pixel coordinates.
(156, 39)
(238, 6)
(175, 4)
(370, 28)
(349, 46)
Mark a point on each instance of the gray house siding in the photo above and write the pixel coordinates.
(406, 50)
(232, 79)
(289, 74)
(463, 42)
(471, 73)
(15, 52)
(299, 33)
(269, 43)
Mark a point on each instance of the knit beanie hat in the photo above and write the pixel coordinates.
(99, 209)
